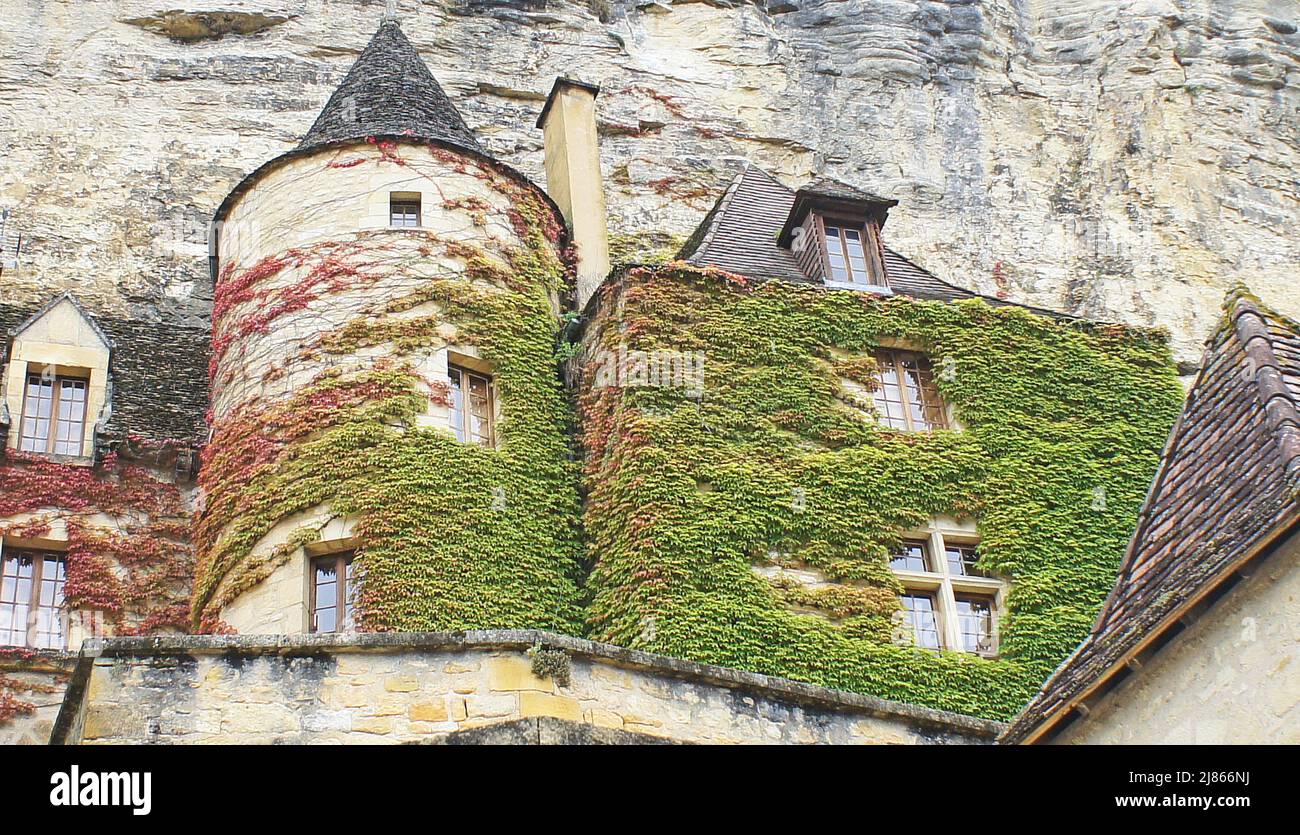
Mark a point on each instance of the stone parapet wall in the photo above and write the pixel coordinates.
(434, 687)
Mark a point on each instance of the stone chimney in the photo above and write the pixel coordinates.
(568, 124)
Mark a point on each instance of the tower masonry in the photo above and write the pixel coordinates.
(387, 300)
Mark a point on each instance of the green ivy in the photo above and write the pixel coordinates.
(778, 463)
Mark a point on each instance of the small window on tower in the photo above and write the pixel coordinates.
(473, 406)
(404, 209)
(333, 593)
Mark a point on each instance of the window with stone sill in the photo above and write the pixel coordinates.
(404, 210)
(947, 602)
(31, 598)
(333, 592)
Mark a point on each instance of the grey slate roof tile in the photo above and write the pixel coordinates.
(389, 92)
(739, 235)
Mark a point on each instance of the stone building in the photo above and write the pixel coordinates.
(438, 472)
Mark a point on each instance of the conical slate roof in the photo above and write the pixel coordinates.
(389, 91)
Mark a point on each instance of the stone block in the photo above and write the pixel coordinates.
(513, 672)
(546, 704)
(401, 684)
(428, 712)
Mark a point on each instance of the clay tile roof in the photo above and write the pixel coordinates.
(389, 92)
(1228, 481)
(739, 234)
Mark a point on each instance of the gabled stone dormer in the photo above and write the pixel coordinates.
(56, 381)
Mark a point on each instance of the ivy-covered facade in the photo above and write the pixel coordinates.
(772, 462)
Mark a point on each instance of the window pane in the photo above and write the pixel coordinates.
(349, 594)
(975, 622)
(404, 213)
(961, 561)
(325, 616)
(71, 419)
(37, 407)
(913, 557)
(919, 608)
(456, 420)
(835, 255)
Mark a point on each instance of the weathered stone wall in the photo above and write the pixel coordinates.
(430, 687)
(1121, 159)
(318, 228)
(1233, 676)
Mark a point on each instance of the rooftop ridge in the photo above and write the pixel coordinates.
(1250, 326)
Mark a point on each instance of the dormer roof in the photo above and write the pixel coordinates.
(739, 235)
(86, 324)
(833, 197)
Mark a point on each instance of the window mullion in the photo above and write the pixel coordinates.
(53, 428)
(34, 599)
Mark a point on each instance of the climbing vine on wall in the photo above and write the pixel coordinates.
(128, 554)
(776, 462)
(451, 535)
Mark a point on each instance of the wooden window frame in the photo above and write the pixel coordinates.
(38, 556)
(396, 199)
(946, 587)
(991, 600)
(893, 359)
(463, 432)
(342, 562)
(56, 390)
(873, 255)
(935, 616)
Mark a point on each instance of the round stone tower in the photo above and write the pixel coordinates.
(389, 447)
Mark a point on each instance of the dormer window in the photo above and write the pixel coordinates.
(55, 383)
(852, 255)
(54, 414)
(833, 231)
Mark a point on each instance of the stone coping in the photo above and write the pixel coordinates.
(515, 639)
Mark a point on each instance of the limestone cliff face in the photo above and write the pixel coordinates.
(1121, 160)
